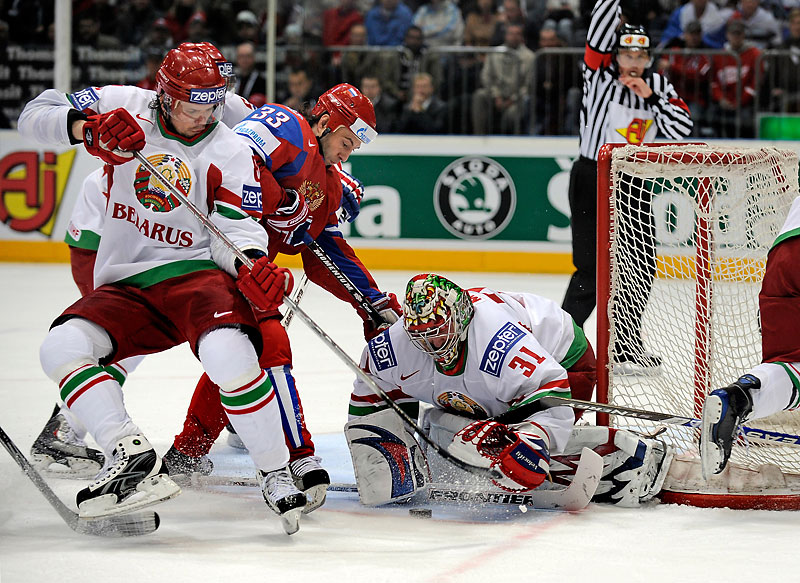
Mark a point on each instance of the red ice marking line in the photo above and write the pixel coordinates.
(509, 544)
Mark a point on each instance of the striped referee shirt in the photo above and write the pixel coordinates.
(601, 88)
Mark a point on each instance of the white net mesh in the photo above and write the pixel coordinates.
(690, 230)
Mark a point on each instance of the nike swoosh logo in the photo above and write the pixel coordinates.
(220, 314)
(404, 377)
(143, 119)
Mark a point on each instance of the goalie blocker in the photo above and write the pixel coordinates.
(390, 465)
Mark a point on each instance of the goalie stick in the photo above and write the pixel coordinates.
(574, 497)
(523, 411)
(114, 526)
(343, 356)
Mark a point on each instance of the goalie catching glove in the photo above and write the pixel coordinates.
(522, 458)
(113, 136)
(265, 284)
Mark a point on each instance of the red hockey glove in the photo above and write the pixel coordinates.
(389, 309)
(291, 221)
(523, 459)
(265, 284)
(113, 136)
(352, 193)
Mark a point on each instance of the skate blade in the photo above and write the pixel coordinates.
(236, 442)
(710, 453)
(153, 490)
(632, 369)
(290, 520)
(71, 468)
(316, 497)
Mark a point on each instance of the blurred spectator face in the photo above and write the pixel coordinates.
(423, 87)
(735, 35)
(371, 88)
(512, 11)
(196, 31)
(247, 26)
(548, 39)
(389, 5)
(413, 39)
(88, 29)
(159, 33)
(358, 34)
(693, 35)
(699, 6)
(794, 24)
(485, 6)
(514, 37)
(299, 84)
(245, 58)
(749, 8)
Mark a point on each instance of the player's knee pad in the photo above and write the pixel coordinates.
(388, 462)
(634, 467)
(228, 357)
(71, 345)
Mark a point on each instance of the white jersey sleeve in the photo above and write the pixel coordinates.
(44, 118)
(88, 215)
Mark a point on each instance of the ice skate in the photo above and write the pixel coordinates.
(181, 467)
(310, 477)
(283, 497)
(59, 452)
(233, 438)
(723, 411)
(636, 362)
(135, 478)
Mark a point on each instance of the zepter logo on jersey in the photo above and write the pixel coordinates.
(312, 193)
(461, 404)
(151, 191)
(474, 198)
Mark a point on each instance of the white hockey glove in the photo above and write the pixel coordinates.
(388, 461)
(522, 458)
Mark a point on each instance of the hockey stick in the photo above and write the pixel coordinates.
(343, 356)
(348, 285)
(299, 291)
(113, 526)
(574, 497)
(523, 411)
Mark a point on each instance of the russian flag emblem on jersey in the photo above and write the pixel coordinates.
(352, 92)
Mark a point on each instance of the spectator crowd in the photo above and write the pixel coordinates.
(449, 66)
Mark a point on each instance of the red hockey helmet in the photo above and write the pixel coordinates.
(225, 66)
(348, 107)
(190, 75)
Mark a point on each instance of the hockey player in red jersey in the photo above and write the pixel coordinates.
(172, 280)
(302, 156)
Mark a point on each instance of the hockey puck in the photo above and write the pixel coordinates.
(420, 512)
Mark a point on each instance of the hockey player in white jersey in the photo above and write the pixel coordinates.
(475, 354)
(157, 265)
(60, 450)
(773, 385)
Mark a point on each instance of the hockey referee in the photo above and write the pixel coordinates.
(623, 102)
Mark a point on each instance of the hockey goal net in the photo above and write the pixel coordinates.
(683, 235)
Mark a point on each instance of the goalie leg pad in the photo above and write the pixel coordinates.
(388, 462)
(634, 467)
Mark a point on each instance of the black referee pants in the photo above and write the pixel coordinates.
(637, 254)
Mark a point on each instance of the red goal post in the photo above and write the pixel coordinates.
(683, 231)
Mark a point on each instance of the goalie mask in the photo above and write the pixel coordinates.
(348, 107)
(191, 91)
(436, 316)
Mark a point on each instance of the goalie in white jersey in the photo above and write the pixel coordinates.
(475, 354)
(160, 279)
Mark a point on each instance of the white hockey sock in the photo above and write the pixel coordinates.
(247, 395)
(96, 399)
(777, 390)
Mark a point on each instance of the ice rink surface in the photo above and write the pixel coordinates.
(227, 534)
